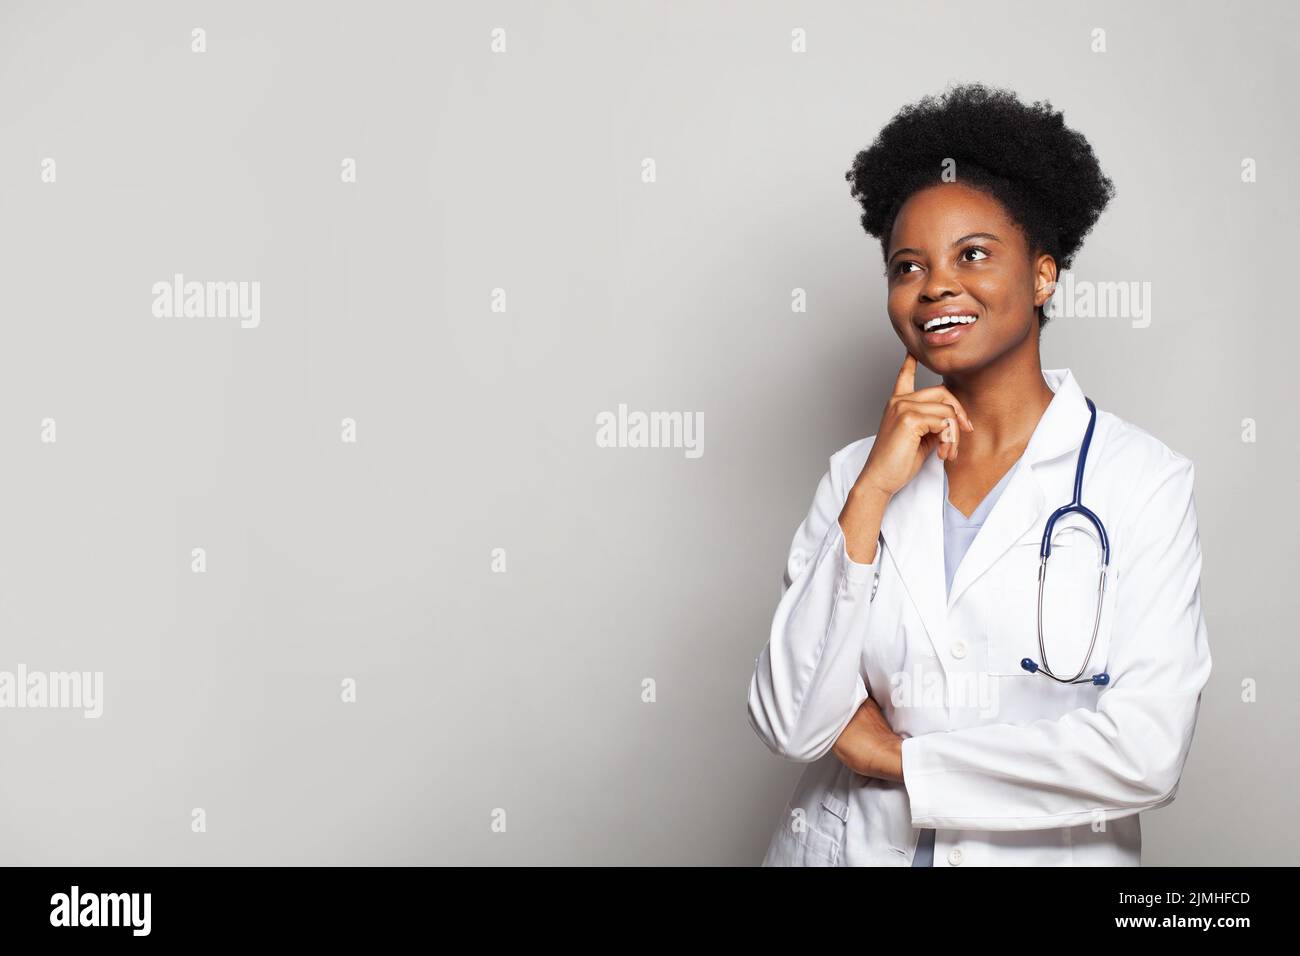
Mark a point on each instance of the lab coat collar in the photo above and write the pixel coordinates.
(1061, 428)
(912, 525)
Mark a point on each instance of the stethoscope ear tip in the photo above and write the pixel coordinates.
(1029, 665)
(1101, 680)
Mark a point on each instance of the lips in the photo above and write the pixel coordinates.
(944, 328)
(936, 320)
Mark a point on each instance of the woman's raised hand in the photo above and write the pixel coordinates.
(914, 423)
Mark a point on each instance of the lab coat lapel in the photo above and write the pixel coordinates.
(1013, 515)
(912, 527)
(913, 521)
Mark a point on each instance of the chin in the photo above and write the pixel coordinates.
(947, 361)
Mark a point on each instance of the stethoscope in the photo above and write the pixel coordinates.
(1074, 507)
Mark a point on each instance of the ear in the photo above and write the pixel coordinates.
(1044, 279)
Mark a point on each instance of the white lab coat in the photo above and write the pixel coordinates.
(1009, 768)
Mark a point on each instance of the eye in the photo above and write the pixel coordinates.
(901, 266)
(984, 253)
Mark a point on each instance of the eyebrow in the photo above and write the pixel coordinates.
(957, 242)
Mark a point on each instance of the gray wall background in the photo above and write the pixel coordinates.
(372, 561)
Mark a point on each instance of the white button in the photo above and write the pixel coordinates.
(954, 856)
(958, 649)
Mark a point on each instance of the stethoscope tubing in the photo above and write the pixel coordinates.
(1076, 506)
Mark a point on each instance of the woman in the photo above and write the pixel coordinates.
(904, 663)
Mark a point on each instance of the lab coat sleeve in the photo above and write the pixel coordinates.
(1126, 755)
(807, 682)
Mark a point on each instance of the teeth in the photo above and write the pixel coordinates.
(947, 319)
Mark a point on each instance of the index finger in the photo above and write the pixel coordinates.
(905, 384)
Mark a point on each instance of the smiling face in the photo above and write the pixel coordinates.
(956, 256)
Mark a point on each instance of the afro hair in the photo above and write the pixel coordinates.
(1042, 172)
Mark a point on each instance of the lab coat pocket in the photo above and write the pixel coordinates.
(813, 836)
(805, 839)
(1069, 608)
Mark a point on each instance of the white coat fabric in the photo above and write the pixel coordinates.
(1008, 767)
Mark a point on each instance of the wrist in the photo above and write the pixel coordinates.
(867, 491)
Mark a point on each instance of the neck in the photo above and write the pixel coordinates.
(1005, 401)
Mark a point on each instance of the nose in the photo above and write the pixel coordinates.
(940, 283)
